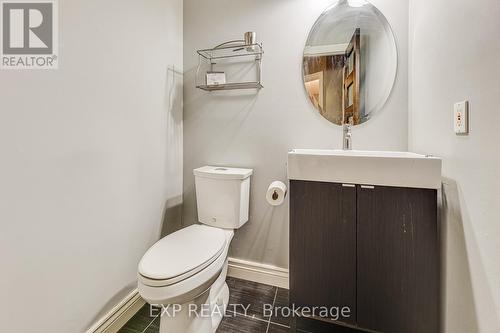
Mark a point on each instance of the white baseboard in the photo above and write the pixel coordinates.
(118, 316)
(252, 271)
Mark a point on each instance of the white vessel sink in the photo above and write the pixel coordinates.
(383, 168)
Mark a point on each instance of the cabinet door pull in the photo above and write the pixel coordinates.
(348, 185)
(367, 187)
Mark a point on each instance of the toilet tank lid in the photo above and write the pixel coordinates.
(218, 172)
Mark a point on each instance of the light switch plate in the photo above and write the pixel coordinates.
(461, 118)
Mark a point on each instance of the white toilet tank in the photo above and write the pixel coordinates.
(222, 196)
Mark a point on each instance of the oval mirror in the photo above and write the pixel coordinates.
(350, 62)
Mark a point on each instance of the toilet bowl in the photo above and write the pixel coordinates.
(184, 273)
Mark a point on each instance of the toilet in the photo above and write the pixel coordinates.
(185, 272)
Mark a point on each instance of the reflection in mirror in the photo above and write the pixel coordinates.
(350, 62)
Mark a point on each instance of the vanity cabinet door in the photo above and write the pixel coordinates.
(323, 245)
(397, 260)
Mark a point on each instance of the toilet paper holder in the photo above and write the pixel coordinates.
(276, 193)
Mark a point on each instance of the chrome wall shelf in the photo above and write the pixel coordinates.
(231, 86)
(221, 54)
(230, 51)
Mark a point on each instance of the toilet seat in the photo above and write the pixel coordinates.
(181, 255)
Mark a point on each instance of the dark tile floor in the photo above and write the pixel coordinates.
(145, 320)
(245, 313)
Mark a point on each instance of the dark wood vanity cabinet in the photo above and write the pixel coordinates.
(323, 245)
(371, 248)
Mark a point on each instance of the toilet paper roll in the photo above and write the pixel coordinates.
(276, 193)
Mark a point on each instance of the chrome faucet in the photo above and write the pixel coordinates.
(347, 138)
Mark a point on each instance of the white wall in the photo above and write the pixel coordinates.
(90, 154)
(455, 55)
(257, 130)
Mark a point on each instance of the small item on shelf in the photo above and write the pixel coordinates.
(250, 38)
(216, 78)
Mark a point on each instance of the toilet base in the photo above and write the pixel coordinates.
(201, 315)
